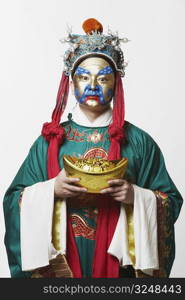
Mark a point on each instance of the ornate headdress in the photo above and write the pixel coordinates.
(94, 42)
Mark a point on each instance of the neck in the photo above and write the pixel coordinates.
(93, 114)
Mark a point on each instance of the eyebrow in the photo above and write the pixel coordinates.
(80, 71)
(106, 70)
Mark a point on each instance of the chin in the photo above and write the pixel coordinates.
(92, 103)
(94, 106)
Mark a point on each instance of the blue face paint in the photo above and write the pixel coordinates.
(110, 93)
(80, 71)
(98, 91)
(105, 71)
(77, 94)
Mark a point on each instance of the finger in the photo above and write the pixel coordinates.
(71, 179)
(116, 182)
(108, 191)
(118, 194)
(73, 188)
(112, 189)
(105, 191)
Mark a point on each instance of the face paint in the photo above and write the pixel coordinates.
(106, 70)
(80, 71)
(94, 81)
(96, 94)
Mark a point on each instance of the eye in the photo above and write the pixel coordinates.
(102, 79)
(83, 77)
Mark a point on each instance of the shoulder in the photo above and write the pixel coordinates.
(40, 146)
(139, 137)
(41, 143)
(65, 125)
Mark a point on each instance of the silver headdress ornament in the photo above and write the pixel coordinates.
(94, 42)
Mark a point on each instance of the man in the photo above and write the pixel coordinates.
(54, 227)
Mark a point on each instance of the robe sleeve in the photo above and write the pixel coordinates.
(153, 175)
(33, 170)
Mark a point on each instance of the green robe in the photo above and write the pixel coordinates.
(146, 169)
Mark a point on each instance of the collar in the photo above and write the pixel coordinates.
(79, 117)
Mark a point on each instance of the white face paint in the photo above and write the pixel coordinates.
(94, 82)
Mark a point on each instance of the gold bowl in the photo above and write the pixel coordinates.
(94, 173)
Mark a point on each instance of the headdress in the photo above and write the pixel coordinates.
(94, 42)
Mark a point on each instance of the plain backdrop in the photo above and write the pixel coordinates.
(31, 67)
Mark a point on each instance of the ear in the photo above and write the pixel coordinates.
(72, 87)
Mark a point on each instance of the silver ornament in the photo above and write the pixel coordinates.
(117, 48)
(114, 43)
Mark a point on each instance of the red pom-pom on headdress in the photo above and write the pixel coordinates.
(91, 25)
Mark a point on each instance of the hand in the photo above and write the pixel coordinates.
(121, 190)
(65, 187)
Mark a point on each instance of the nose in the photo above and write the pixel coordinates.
(93, 83)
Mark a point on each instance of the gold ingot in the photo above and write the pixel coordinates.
(94, 173)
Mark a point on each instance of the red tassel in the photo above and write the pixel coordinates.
(116, 129)
(53, 132)
(62, 96)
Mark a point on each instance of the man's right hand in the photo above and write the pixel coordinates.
(65, 186)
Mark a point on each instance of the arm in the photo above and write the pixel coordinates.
(153, 175)
(28, 209)
(32, 171)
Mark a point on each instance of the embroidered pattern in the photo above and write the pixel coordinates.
(95, 137)
(165, 234)
(91, 213)
(96, 152)
(81, 228)
(73, 134)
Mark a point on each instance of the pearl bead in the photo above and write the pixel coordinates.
(114, 43)
(125, 40)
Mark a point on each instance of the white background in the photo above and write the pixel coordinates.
(31, 66)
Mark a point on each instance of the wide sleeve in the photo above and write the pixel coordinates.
(153, 175)
(33, 170)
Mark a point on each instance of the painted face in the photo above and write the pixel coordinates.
(94, 82)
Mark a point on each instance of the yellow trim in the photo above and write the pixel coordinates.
(131, 243)
(56, 224)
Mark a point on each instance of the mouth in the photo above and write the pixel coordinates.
(95, 98)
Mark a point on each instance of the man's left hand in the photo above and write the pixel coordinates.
(121, 190)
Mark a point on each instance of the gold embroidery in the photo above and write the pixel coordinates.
(57, 268)
(131, 243)
(56, 224)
